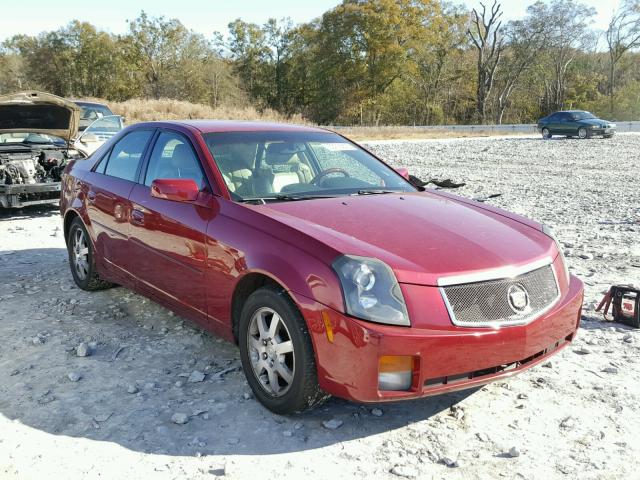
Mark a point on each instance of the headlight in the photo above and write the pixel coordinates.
(547, 231)
(371, 291)
(594, 127)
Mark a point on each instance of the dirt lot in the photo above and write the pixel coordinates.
(108, 415)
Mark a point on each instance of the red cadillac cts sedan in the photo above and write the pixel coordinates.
(332, 272)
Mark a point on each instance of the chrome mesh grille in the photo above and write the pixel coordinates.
(486, 304)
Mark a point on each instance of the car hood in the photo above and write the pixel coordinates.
(38, 112)
(423, 237)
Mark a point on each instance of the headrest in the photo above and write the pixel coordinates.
(181, 154)
(279, 153)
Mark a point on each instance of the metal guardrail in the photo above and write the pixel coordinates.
(489, 129)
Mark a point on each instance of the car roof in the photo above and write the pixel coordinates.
(572, 111)
(211, 126)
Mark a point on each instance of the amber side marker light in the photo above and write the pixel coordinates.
(395, 372)
(327, 326)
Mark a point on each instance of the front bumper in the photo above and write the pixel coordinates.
(601, 132)
(21, 195)
(446, 357)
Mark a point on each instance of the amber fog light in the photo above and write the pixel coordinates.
(395, 373)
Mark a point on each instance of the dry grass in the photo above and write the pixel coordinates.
(143, 110)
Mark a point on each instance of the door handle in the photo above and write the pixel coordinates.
(137, 217)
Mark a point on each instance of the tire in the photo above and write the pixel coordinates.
(81, 258)
(608, 136)
(546, 133)
(582, 133)
(293, 372)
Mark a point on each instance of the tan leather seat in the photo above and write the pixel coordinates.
(235, 162)
(288, 165)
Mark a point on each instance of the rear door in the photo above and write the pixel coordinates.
(108, 188)
(168, 237)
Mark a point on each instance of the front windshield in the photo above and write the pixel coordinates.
(284, 165)
(30, 139)
(583, 116)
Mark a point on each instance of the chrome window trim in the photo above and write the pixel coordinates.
(499, 273)
(504, 323)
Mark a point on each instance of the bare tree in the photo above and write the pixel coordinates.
(622, 35)
(486, 34)
(567, 34)
(525, 39)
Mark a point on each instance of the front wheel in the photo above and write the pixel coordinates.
(277, 354)
(546, 134)
(582, 133)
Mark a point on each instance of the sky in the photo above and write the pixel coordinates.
(203, 16)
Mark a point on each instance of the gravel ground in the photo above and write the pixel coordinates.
(155, 397)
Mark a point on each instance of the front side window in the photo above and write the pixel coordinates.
(126, 154)
(173, 157)
(273, 165)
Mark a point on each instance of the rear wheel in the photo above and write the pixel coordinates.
(81, 258)
(546, 133)
(582, 132)
(277, 354)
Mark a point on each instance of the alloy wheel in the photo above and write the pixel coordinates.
(80, 254)
(582, 133)
(546, 133)
(271, 351)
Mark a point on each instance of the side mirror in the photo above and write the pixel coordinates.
(175, 189)
(404, 172)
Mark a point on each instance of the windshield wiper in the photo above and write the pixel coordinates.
(282, 197)
(373, 191)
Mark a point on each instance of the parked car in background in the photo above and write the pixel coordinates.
(98, 133)
(90, 112)
(331, 271)
(575, 123)
(36, 130)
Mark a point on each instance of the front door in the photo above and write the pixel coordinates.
(168, 237)
(107, 200)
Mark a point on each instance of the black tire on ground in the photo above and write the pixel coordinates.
(582, 133)
(608, 136)
(546, 133)
(84, 273)
(303, 391)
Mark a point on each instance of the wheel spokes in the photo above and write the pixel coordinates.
(284, 347)
(271, 351)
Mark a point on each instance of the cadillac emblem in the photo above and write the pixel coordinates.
(518, 299)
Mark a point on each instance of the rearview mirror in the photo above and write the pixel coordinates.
(175, 189)
(404, 172)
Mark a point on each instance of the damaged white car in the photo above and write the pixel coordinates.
(38, 136)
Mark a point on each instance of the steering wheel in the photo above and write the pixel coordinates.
(328, 171)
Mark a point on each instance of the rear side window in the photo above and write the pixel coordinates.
(125, 155)
(173, 157)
